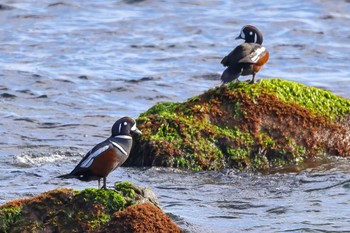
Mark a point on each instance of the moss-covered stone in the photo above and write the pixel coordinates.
(256, 126)
(8, 216)
(66, 210)
(125, 221)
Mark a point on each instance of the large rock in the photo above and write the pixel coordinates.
(242, 125)
(90, 210)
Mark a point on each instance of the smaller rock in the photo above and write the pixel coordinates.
(140, 218)
(88, 210)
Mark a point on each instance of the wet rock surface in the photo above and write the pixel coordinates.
(260, 126)
(89, 210)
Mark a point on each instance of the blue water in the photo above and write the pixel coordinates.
(69, 69)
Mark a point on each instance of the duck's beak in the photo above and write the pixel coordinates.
(137, 131)
(134, 129)
(239, 37)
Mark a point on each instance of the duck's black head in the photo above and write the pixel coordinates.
(125, 126)
(251, 34)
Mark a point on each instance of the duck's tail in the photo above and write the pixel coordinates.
(230, 74)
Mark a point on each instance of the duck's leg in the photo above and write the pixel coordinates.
(253, 81)
(104, 183)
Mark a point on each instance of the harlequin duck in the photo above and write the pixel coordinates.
(107, 155)
(247, 58)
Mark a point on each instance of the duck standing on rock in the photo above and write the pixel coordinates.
(247, 58)
(107, 155)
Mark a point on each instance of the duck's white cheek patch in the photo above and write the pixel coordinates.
(133, 128)
(242, 35)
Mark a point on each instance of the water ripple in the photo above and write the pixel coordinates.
(70, 69)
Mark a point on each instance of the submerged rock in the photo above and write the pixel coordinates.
(268, 124)
(89, 210)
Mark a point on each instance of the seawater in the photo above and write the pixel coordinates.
(68, 70)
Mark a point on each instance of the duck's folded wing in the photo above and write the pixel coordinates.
(254, 55)
(234, 56)
(89, 158)
(92, 155)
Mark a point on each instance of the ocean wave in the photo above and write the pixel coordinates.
(38, 159)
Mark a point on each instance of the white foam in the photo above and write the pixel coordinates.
(38, 159)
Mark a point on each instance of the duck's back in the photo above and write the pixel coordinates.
(241, 54)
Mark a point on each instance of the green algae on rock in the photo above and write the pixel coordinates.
(66, 210)
(267, 124)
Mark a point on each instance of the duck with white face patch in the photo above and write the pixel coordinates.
(107, 155)
(247, 58)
